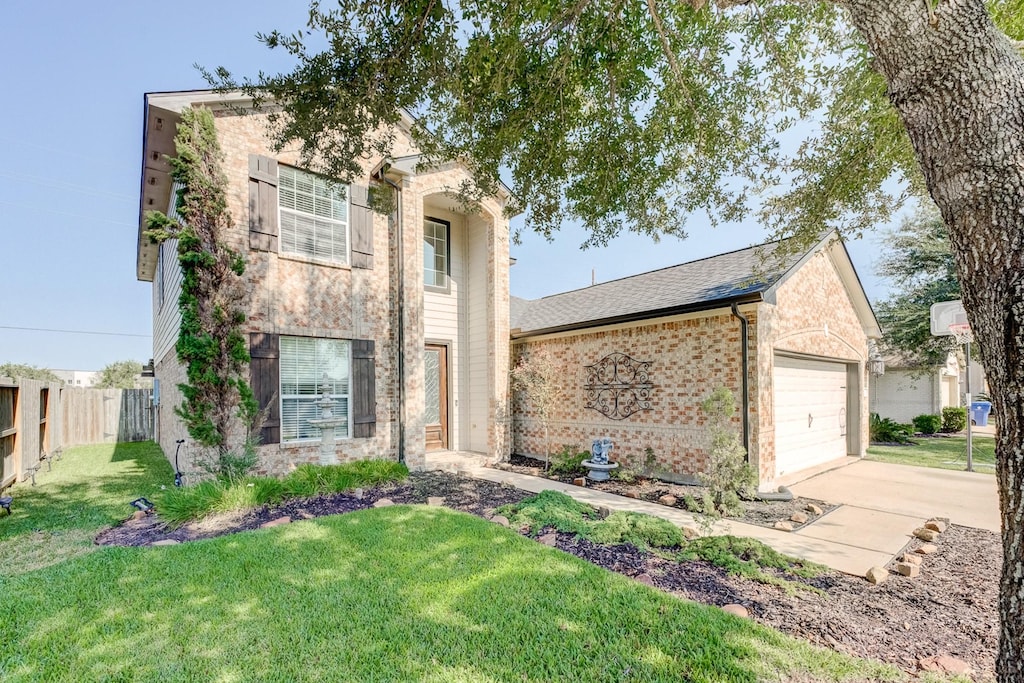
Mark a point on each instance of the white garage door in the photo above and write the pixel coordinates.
(810, 413)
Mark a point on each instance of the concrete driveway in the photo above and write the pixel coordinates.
(966, 498)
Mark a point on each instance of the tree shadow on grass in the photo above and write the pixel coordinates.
(400, 593)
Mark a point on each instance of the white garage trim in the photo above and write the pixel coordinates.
(811, 412)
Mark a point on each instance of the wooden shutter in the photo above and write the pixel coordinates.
(361, 227)
(263, 230)
(264, 370)
(364, 393)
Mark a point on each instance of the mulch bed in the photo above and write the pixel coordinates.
(759, 512)
(951, 608)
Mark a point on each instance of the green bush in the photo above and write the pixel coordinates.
(178, 506)
(886, 430)
(928, 424)
(954, 419)
(566, 462)
(643, 531)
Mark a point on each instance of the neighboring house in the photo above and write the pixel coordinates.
(640, 354)
(407, 314)
(78, 378)
(907, 389)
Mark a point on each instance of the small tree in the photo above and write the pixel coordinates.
(727, 475)
(535, 376)
(22, 371)
(211, 344)
(122, 374)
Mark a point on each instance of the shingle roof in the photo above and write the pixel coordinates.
(694, 285)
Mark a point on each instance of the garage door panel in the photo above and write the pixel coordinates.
(810, 412)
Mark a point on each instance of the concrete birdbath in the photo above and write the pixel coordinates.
(327, 422)
(598, 463)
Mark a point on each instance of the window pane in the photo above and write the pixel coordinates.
(435, 253)
(303, 362)
(432, 370)
(314, 216)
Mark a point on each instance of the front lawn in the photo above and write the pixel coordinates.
(945, 452)
(87, 490)
(399, 593)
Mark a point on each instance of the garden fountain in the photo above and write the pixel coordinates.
(598, 463)
(326, 423)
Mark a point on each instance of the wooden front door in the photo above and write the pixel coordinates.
(436, 393)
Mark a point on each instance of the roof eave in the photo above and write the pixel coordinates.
(747, 298)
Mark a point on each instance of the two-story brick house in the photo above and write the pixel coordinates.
(407, 314)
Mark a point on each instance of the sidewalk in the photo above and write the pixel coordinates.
(850, 541)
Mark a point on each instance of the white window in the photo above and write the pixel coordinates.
(314, 216)
(435, 253)
(304, 361)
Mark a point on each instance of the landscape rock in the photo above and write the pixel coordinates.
(436, 501)
(784, 526)
(165, 541)
(877, 575)
(503, 466)
(945, 664)
(926, 549)
(500, 519)
(690, 532)
(908, 570)
(357, 494)
(911, 558)
(813, 509)
(580, 481)
(927, 535)
(604, 512)
(935, 525)
(668, 499)
(508, 484)
(737, 610)
(632, 494)
(645, 579)
(534, 471)
(798, 518)
(548, 539)
(276, 522)
(138, 514)
(383, 503)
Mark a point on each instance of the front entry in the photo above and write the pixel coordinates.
(436, 393)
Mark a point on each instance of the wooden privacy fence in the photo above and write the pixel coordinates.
(39, 419)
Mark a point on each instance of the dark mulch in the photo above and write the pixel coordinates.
(949, 609)
(759, 512)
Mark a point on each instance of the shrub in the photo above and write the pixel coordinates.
(954, 419)
(728, 476)
(566, 462)
(928, 424)
(643, 531)
(886, 430)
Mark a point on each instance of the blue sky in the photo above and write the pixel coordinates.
(70, 146)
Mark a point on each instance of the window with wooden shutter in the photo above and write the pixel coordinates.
(263, 369)
(314, 216)
(263, 223)
(304, 363)
(362, 227)
(364, 390)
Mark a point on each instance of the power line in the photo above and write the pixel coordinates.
(79, 216)
(64, 185)
(44, 329)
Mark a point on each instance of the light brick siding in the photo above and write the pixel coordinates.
(296, 296)
(691, 356)
(689, 359)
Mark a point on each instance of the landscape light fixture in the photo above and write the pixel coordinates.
(876, 364)
(142, 504)
(179, 478)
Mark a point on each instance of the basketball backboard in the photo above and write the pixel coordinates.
(946, 313)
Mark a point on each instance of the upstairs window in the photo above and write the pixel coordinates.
(436, 261)
(314, 216)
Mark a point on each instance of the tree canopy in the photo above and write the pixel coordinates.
(920, 266)
(122, 374)
(22, 371)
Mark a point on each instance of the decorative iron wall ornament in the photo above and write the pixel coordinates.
(618, 386)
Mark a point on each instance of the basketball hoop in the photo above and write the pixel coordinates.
(961, 332)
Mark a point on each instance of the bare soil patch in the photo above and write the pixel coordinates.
(949, 609)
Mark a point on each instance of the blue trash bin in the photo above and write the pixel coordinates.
(979, 413)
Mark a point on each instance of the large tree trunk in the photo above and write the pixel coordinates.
(958, 84)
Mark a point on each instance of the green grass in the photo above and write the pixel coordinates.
(945, 452)
(87, 490)
(749, 558)
(392, 594)
(177, 506)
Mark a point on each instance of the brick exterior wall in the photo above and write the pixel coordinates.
(692, 355)
(295, 296)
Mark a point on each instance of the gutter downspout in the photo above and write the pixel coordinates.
(744, 338)
(396, 217)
